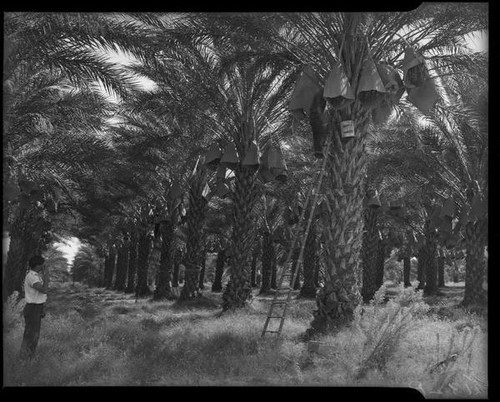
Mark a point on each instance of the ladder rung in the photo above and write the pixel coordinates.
(274, 332)
(285, 288)
(279, 302)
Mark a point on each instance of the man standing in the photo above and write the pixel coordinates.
(35, 293)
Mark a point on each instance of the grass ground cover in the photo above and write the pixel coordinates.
(93, 336)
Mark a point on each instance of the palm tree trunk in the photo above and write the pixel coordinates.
(203, 262)
(421, 268)
(22, 247)
(253, 272)
(238, 289)
(317, 268)
(406, 271)
(142, 288)
(430, 267)
(274, 270)
(112, 267)
(107, 264)
(132, 264)
(308, 288)
(121, 267)
(476, 238)
(267, 263)
(344, 182)
(15, 266)
(295, 262)
(369, 254)
(163, 289)
(219, 271)
(298, 273)
(380, 262)
(194, 244)
(440, 269)
(177, 263)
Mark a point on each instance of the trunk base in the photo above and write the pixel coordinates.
(335, 310)
(236, 298)
(308, 292)
(190, 290)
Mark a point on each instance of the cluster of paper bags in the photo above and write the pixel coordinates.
(379, 87)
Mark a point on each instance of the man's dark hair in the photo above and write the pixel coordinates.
(36, 260)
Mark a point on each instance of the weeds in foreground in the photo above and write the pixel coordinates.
(12, 311)
(383, 327)
(397, 343)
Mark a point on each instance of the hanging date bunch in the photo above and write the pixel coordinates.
(307, 102)
(371, 90)
(414, 68)
(394, 89)
(339, 95)
(274, 162)
(420, 86)
(307, 87)
(338, 91)
(319, 123)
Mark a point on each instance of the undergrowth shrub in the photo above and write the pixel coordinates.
(383, 326)
(13, 311)
(459, 366)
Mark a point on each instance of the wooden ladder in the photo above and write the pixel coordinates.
(281, 299)
(282, 295)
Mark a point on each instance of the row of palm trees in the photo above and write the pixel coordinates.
(226, 80)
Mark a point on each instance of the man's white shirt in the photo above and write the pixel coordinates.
(30, 293)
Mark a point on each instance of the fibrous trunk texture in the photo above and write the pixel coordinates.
(238, 290)
(382, 252)
(121, 267)
(430, 263)
(253, 272)
(369, 254)
(163, 289)
(177, 262)
(406, 270)
(343, 223)
(421, 268)
(308, 288)
(203, 263)
(219, 271)
(298, 268)
(194, 244)
(132, 264)
(476, 239)
(440, 268)
(267, 262)
(317, 268)
(142, 288)
(110, 270)
(274, 271)
(23, 245)
(295, 264)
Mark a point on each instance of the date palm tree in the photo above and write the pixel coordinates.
(322, 40)
(52, 112)
(132, 263)
(446, 158)
(195, 222)
(309, 287)
(238, 100)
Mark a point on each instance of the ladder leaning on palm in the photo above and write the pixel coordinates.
(281, 299)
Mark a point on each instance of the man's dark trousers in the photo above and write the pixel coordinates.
(33, 318)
